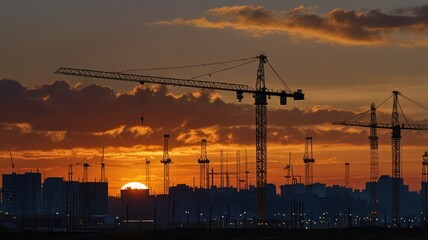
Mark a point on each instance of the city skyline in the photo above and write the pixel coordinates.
(50, 121)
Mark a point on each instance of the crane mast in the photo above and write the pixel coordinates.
(85, 165)
(424, 190)
(148, 177)
(347, 175)
(309, 161)
(246, 170)
(103, 169)
(260, 94)
(166, 161)
(396, 159)
(261, 144)
(12, 165)
(204, 165)
(70, 172)
(238, 170)
(288, 169)
(374, 166)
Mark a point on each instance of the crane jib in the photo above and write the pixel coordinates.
(238, 88)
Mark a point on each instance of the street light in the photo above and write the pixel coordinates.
(245, 218)
(187, 218)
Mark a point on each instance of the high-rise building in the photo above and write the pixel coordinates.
(93, 200)
(59, 197)
(21, 194)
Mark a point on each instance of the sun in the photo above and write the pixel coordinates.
(134, 185)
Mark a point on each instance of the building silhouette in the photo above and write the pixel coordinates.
(21, 193)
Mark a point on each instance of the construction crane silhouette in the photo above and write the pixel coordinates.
(347, 177)
(148, 176)
(309, 161)
(396, 128)
(70, 172)
(85, 165)
(260, 94)
(204, 164)
(424, 190)
(166, 161)
(12, 165)
(246, 171)
(238, 170)
(290, 173)
(103, 169)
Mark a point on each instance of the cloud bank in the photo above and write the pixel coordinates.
(62, 116)
(404, 27)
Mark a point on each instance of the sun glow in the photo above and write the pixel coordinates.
(134, 185)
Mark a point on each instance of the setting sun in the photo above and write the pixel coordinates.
(134, 185)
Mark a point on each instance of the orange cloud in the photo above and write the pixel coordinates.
(403, 27)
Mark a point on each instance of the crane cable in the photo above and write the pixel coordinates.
(361, 115)
(414, 102)
(402, 112)
(186, 66)
(222, 70)
(279, 77)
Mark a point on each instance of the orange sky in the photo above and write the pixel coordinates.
(345, 55)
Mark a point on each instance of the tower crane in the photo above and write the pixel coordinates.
(166, 161)
(260, 94)
(103, 169)
(309, 161)
(290, 173)
(424, 190)
(12, 165)
(347, 173)
(70, 172)
(86, 166)
(204, 164)
(148, 176)
(396, 128)
(246, 171)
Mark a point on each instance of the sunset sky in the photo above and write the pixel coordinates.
(344, 55)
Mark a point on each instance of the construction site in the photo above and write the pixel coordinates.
(222, 197)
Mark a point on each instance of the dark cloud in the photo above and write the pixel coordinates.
(406, 26)
(59, 115)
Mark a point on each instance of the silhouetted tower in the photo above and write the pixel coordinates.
(288, 169)
(221, 169)
(261, 145)
(166, 160)
(246, 171)
(238, 170)
(86, 166)
(424, 189)
(396, 159)
(309, 161)
(204, 165)
(148, 176)
(290, 173)
(227, 169)
(103, 169)
(70, 172)
(347, 180)
(374, 165)
(12, 165)
(85, 171)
